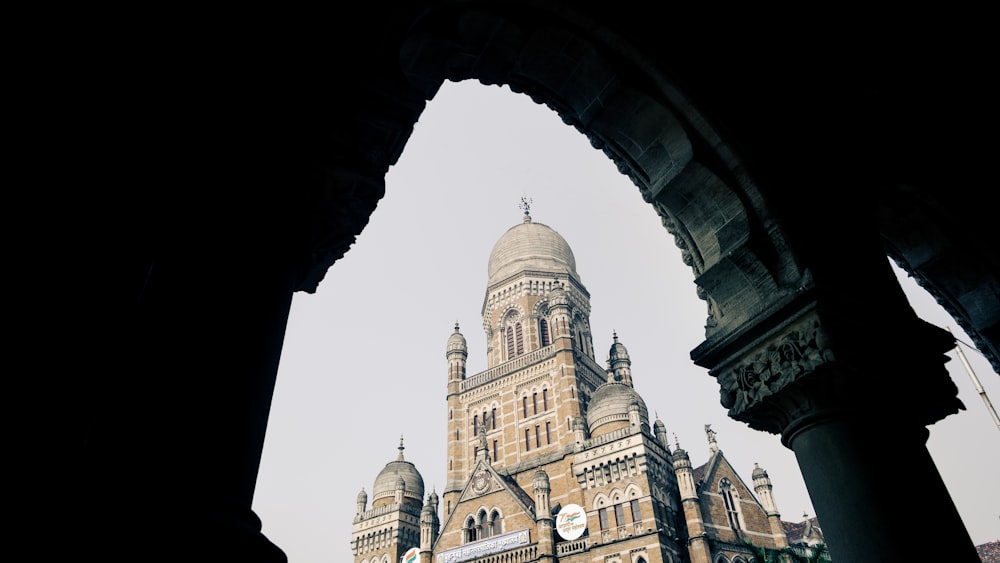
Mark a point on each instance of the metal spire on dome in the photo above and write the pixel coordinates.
(526, 206)
(400, 458)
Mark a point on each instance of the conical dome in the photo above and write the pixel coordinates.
(530, 246)
(609, 407)
(388, 481)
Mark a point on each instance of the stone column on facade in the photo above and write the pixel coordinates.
(559, 311)
(544, 523)
(848, 397)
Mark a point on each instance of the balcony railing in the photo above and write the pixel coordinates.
(507, 367)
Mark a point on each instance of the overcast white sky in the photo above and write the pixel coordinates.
(364, 357)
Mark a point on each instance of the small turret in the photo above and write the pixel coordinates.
(697, 538)
(660, 431)
(362, 501)
(457, 352)
(619, 362)
(543, 516)
(762, 485)
(430, 526)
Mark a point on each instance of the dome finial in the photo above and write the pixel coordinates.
(456, 325)
(526, 206)
(400, 458)
(614, 333)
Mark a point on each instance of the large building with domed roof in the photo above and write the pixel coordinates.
(552, 457)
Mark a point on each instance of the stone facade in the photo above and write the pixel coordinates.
(546, 436)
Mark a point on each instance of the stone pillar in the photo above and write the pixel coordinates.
(849, 396)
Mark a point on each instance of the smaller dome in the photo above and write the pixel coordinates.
(758, 472)
(618, 351)
(611, 403)
(456, 342)
(363, 496)
(540, 482)
(398, 474)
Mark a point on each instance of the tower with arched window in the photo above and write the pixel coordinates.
(552, 457)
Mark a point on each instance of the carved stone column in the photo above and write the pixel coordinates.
(851, 397)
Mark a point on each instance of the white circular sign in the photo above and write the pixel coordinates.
(411, 556)
(571, 521)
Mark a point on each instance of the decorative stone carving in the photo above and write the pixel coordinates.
(774, 366)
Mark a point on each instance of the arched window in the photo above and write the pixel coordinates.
(482, 525)
(731, 499)
(469, 531)
(496, 523)
(510, 343)
(543, 332)
(534, 403)
(520, 339)
(493, 419)
(524, 405)
(545, 399)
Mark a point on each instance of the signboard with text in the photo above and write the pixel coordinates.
(484, 547)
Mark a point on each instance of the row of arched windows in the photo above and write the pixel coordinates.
(514, 338)
(482, 526)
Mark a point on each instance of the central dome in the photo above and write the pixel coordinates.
(530, 246)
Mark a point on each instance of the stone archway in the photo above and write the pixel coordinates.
(275, 158)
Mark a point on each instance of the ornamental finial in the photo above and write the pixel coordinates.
(526, 206)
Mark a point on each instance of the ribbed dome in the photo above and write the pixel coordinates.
(387, 482)
(610, 403)
(530, 246)
(388, 478)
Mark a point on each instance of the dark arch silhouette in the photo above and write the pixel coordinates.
(785, 183)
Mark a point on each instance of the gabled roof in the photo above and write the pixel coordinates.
(508, 484)
(705, 476)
